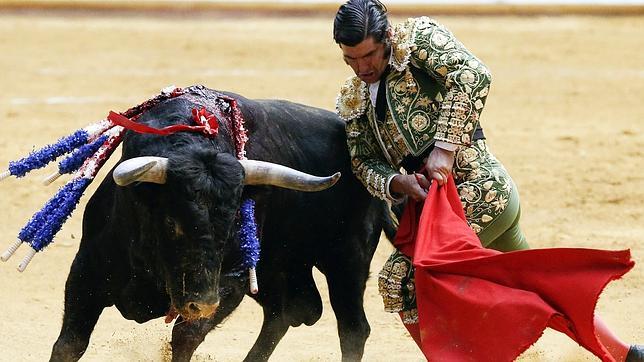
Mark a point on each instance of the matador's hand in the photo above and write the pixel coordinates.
(439, 164)
(414, 186)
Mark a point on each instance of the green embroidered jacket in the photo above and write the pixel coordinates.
(435, 92)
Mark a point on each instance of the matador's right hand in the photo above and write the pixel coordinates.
(439, 164)
(414, 186)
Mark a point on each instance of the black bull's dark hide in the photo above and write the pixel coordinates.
(153, 248)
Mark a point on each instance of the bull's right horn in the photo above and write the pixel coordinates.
(141, 169)
(268, 173)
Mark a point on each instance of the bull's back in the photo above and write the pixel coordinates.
(307, 138)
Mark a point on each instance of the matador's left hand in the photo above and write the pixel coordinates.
(439, 164)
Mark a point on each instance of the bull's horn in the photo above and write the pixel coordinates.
(267, 173)
(141, 169)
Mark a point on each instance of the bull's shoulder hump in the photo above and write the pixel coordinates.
(294, 106)
(351, 102)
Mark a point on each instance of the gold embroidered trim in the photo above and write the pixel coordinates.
(410, 316)
(396, 283)
(484, 186)
(402, 44)
(390, 285)
(351, 102)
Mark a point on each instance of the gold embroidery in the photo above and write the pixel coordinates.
(419, 122)
(484, 185)
(351, 103)
(396, 283)
(410, 316)
(402, 44)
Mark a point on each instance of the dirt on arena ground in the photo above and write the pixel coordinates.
(565, 115)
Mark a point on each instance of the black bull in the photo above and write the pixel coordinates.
(153, 248)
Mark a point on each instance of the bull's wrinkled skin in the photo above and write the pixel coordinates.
(148, 247)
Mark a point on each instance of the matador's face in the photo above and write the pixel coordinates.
(368, 59)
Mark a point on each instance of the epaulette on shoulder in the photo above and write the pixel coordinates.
(402, 43)
(351, 102)
(404, 39)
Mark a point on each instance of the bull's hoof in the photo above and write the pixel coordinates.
(635, 353)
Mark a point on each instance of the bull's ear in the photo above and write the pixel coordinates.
(141, 169)
(268, 173)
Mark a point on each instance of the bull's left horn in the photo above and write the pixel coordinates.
(267, 173)
(141, 169)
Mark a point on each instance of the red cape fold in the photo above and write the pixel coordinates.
(477, 304)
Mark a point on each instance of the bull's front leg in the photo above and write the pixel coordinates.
(84, 302)
(273, 329)
(188, 335)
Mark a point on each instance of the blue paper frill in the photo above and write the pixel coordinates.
(248, 234)
(76, 159)
(43, 226)
(40, 158)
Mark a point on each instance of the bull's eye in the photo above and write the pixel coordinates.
(173, 227)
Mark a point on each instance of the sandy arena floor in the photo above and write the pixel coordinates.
(565, 115)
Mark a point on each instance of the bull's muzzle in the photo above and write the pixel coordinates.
(195, 310)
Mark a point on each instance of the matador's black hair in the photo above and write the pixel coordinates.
(356, 20)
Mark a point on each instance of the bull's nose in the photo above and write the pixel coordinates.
(195, 310)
